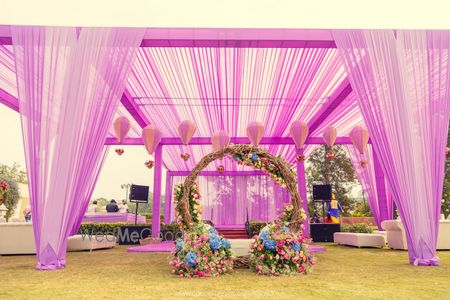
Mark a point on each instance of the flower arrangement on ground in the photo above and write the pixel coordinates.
(202, 253)
(252, 159)
(279, 251)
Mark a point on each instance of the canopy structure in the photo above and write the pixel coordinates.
(224, 79)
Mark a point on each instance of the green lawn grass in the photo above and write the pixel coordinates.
(341, 273)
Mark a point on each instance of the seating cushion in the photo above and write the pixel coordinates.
(84, 242)
(360, 239)
(241, 247)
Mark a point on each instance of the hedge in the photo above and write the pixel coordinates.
(108, 228)
(358, 228)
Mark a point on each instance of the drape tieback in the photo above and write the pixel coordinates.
(60, 264)
(427, 261)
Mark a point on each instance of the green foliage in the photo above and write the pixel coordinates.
(112, 228)
(10, 197)
(362, 210)
(338, 172)
(445, 205)
(358, 228)
(13, 173)
(255, 227)
(194, 205)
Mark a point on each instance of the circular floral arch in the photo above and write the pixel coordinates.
(279, 168)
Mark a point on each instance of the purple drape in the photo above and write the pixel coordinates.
(90, 189)
(227, 199)
(372, 190)
(402, 81)
(69, 88)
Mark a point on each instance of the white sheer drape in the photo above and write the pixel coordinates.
(226, 200)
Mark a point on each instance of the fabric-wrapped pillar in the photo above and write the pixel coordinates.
(156, 208)
(301, 181)
(168, 198)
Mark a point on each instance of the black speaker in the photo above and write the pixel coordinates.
(139, 193)
(321, 192)
(324, 232)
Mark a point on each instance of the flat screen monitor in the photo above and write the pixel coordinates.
(322, 192)
(139, 193)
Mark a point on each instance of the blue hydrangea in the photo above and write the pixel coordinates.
(285, 228)
(264, 235)
(212, 231)
(296, 247)
(226, 244)
(190, 259)
(254, 156)
(215, 243)
(270, 245)
(179, 245)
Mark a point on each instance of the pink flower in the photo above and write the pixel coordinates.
(258, 267)
(261, 257)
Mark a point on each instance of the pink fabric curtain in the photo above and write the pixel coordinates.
(227, 199)
(368, 180)
(69, 88)
(402, 81)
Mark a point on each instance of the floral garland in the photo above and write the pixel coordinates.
(279, 251)
(202, 253)
(194, 205)
(252, 159)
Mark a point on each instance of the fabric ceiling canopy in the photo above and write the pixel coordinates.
(227, 88)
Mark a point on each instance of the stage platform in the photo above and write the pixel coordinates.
(113, 218)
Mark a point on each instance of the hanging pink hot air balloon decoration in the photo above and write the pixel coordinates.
(329, 136)
(255, 132)
(219, 140)
(447, 150)
(121, 127)
(151, 137)
(360, 138)
(186, 130)
(299, 132)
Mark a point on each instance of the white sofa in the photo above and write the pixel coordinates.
(360, 239)
(396, 237)
(18, 238)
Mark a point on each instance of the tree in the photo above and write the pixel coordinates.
(10, 195)
(13, 173)
(339, 173)
(446, 193)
